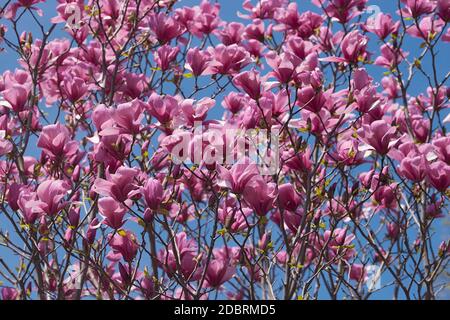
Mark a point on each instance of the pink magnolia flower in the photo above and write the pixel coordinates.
(358, 272)
(66, 8)
(337, 209)
(165, 55)
(5, 146)
(186, 16)
(438, 175)
(264, 9)
(288, 198)
(291, 21)
(347, 152)
(443, 9)
(112, 211)
(299, 47)
(101, 117)
(436, 99)
(164, 27)
(188, 256)
(288, 18)
(434, 209)
(353, 48)
(391, 87)
(275, 104)
(310, 23)
(30, 207)
(147, 285)
(74, 217)
(16, 97)
(413, 168)
(382, 25)
(178, 144)
(163, 108)
(393, 230)
(379, 135)
(284, 66)
(128, 102)
(260, 196)
(232, 217)
(92, 230)
(56, 142)
(255, 30)
(9, 293)
(370, 179)
(339, 243)
(386, 196)
(127, 118)
(200, 62)
(11, 10)
(125, 243)
(112, 150)
(239, 176)
(390, 57)
(298, 160)
(292, 219)
(118, 185)
(68, 236)
(230, 253)
(51, 193)
(208, 19)
(195, 111)
(252, 115)
(416, 8)
(153, 193)
(124, 276)
(250, 82)
(231, 34)
(74, 88)
(319, 122)
(234, 102)
(421, 127)
(218, 272)
(12, 196)
(133, 86)
(312, 100)
(343, 10)
(442, 146)
(229, 59)
(428, 28)
(364, 92)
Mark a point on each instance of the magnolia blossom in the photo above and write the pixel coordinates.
(253, 150)
(56, 141)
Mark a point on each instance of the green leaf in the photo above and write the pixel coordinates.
(222, 231)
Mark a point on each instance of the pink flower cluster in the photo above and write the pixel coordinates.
(90, 121)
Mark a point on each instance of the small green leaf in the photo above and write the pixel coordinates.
(222, 231)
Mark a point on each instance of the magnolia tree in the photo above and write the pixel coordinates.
(152, 150)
